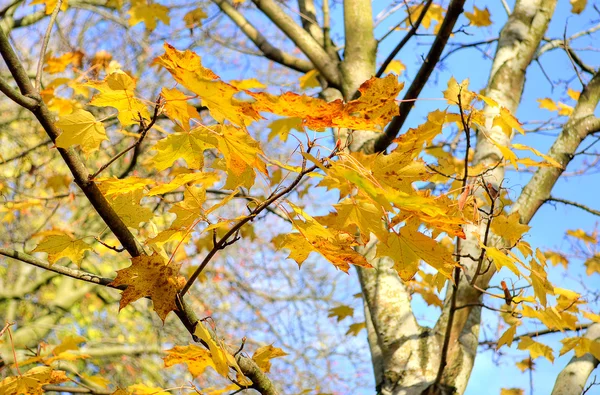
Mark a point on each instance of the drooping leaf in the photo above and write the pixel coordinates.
(150, 276)
(536, 349)
(335, 246)
(264, 354)
(196, 358)
(217, 353)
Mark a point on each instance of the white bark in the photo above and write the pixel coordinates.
(572, 379)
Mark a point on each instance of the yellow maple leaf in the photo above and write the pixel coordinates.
(508, 122)
(577, 6)
(479, 17)
(217, 353)
(581, 235)
(70, 342)
(251, 83)
(409, 247)
(341, 312)
(206, 179)
(375, 107)
(150, 276)
(282, 127)
(31, 382)
(581, 345)
(507, 153)
(573, 94)
(216, 95)
(194, 18)
(548, 104)
(335, 246)
(143, 389)
(112, 186)
(509, 227)
(309, 80)
(177, 108)
(190, 209)
(51, 5)
(58, 64)
(592, 265)
(525, 364)
(536, 349)
(187, 146)
(591, 316)
(396, 67)
(148, 13)
(556, 258)
(455, 89)
(117, 90)
(365, 215)
(548, 159)
(196, 358)
(240, 150)
(434, 14)
(511, 391)
(63, 246)
(508, 336)
(80, 128)
(127, 206)
(500, 259)
(355, 328)
(264, 354)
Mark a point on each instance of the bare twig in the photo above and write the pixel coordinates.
(405, 39)
(46, 39)
(574, 204)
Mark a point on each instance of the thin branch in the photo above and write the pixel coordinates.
(46, 39)
(574, 204)
(75, 390)
(26, 152)
(405, 39)
(63, 270)
(223, 242)
(448, 333)
(454, 10)
(145, 128)
(536, 334)
(15, 96)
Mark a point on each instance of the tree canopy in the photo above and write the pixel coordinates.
(311, 197)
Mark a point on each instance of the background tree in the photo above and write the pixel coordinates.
(184, 173)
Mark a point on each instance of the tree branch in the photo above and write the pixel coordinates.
(574, 204)
(385, 139)
(580, 125)
(327, 66)
(269, 51)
